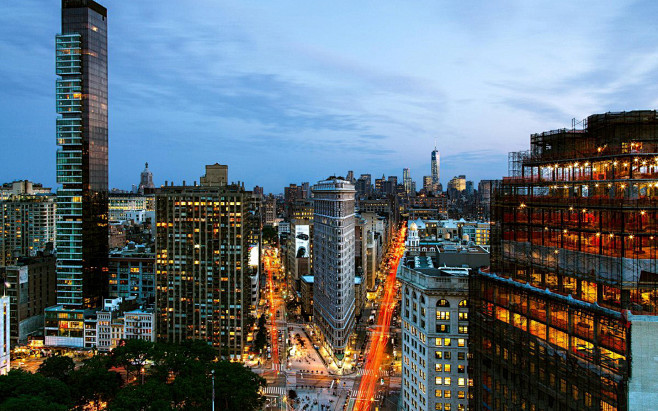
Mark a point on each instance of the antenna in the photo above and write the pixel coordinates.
(434, 143)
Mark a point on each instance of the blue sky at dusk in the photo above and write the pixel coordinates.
(292, 91)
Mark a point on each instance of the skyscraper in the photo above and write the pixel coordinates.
(333, 263)
(203, 278)
(436, 163)
(566, 318)
(407, 181)
(82, 158)
(82, 198)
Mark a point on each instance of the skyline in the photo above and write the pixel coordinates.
(211, 86)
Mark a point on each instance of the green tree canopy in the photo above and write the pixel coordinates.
(21, 387)
(58, 366)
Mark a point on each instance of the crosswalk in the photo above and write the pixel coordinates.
(362, 372)
(275, 390)
(276, 366)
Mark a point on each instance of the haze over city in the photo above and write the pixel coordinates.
(300, 89)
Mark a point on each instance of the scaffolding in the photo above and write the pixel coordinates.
(575, 226)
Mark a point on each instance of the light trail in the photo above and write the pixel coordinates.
(366, 394)
(273, 307)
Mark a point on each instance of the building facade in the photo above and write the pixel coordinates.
(132, 273)
(31, 288)
(27, 225)
(434, 335)
(566, 316)
(203, 278)
(333, 264)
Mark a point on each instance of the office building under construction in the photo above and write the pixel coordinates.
(565, 318)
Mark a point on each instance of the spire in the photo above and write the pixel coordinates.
(434, 143)
(146, 165)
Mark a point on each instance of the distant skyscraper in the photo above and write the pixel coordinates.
(146, 179)
(364, 185)
(436, 164)
(428, 186)
(82, 199)
(470, 188)
(333, 263)
(350, 176)
(407, 181)
(306, 190)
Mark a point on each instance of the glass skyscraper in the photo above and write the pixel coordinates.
(436, 162)
(82, 198)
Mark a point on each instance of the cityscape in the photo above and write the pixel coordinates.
(525, 280)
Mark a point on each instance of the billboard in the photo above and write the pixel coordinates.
(302, 237)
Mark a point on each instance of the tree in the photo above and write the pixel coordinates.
(93, 382)
(32, 403)
(58, 366)
(152, 395)
(260, 341)
(270, 234)
(20, 388)
(236, 387)
(132, 355)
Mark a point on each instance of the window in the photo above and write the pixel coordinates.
(446, 355)
(443, 315)
(461, 381)
(447, 342)
(463, 329)
(461, 395)
(438, 393)
(438, 355)
(447, 381)
(463, 303)
(461, 369)
(438, 406)
(446, 394)
(447, 407)
(461, 355)
(438, 367)
(446, 367)
(442, 303)
(588, 399)
(461, 342)
(439, 342)
(463, 316)
(442, 328)
(438, 380)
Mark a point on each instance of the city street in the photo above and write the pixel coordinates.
(295, 364)
(373, 367)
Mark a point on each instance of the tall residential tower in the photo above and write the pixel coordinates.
(82, 198)
(333, 263)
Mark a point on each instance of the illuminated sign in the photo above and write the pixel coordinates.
(302, 237)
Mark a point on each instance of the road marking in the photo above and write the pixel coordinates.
(275, 390)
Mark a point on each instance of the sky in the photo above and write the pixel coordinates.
(291, 91)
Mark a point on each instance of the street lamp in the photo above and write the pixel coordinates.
(212, 372)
